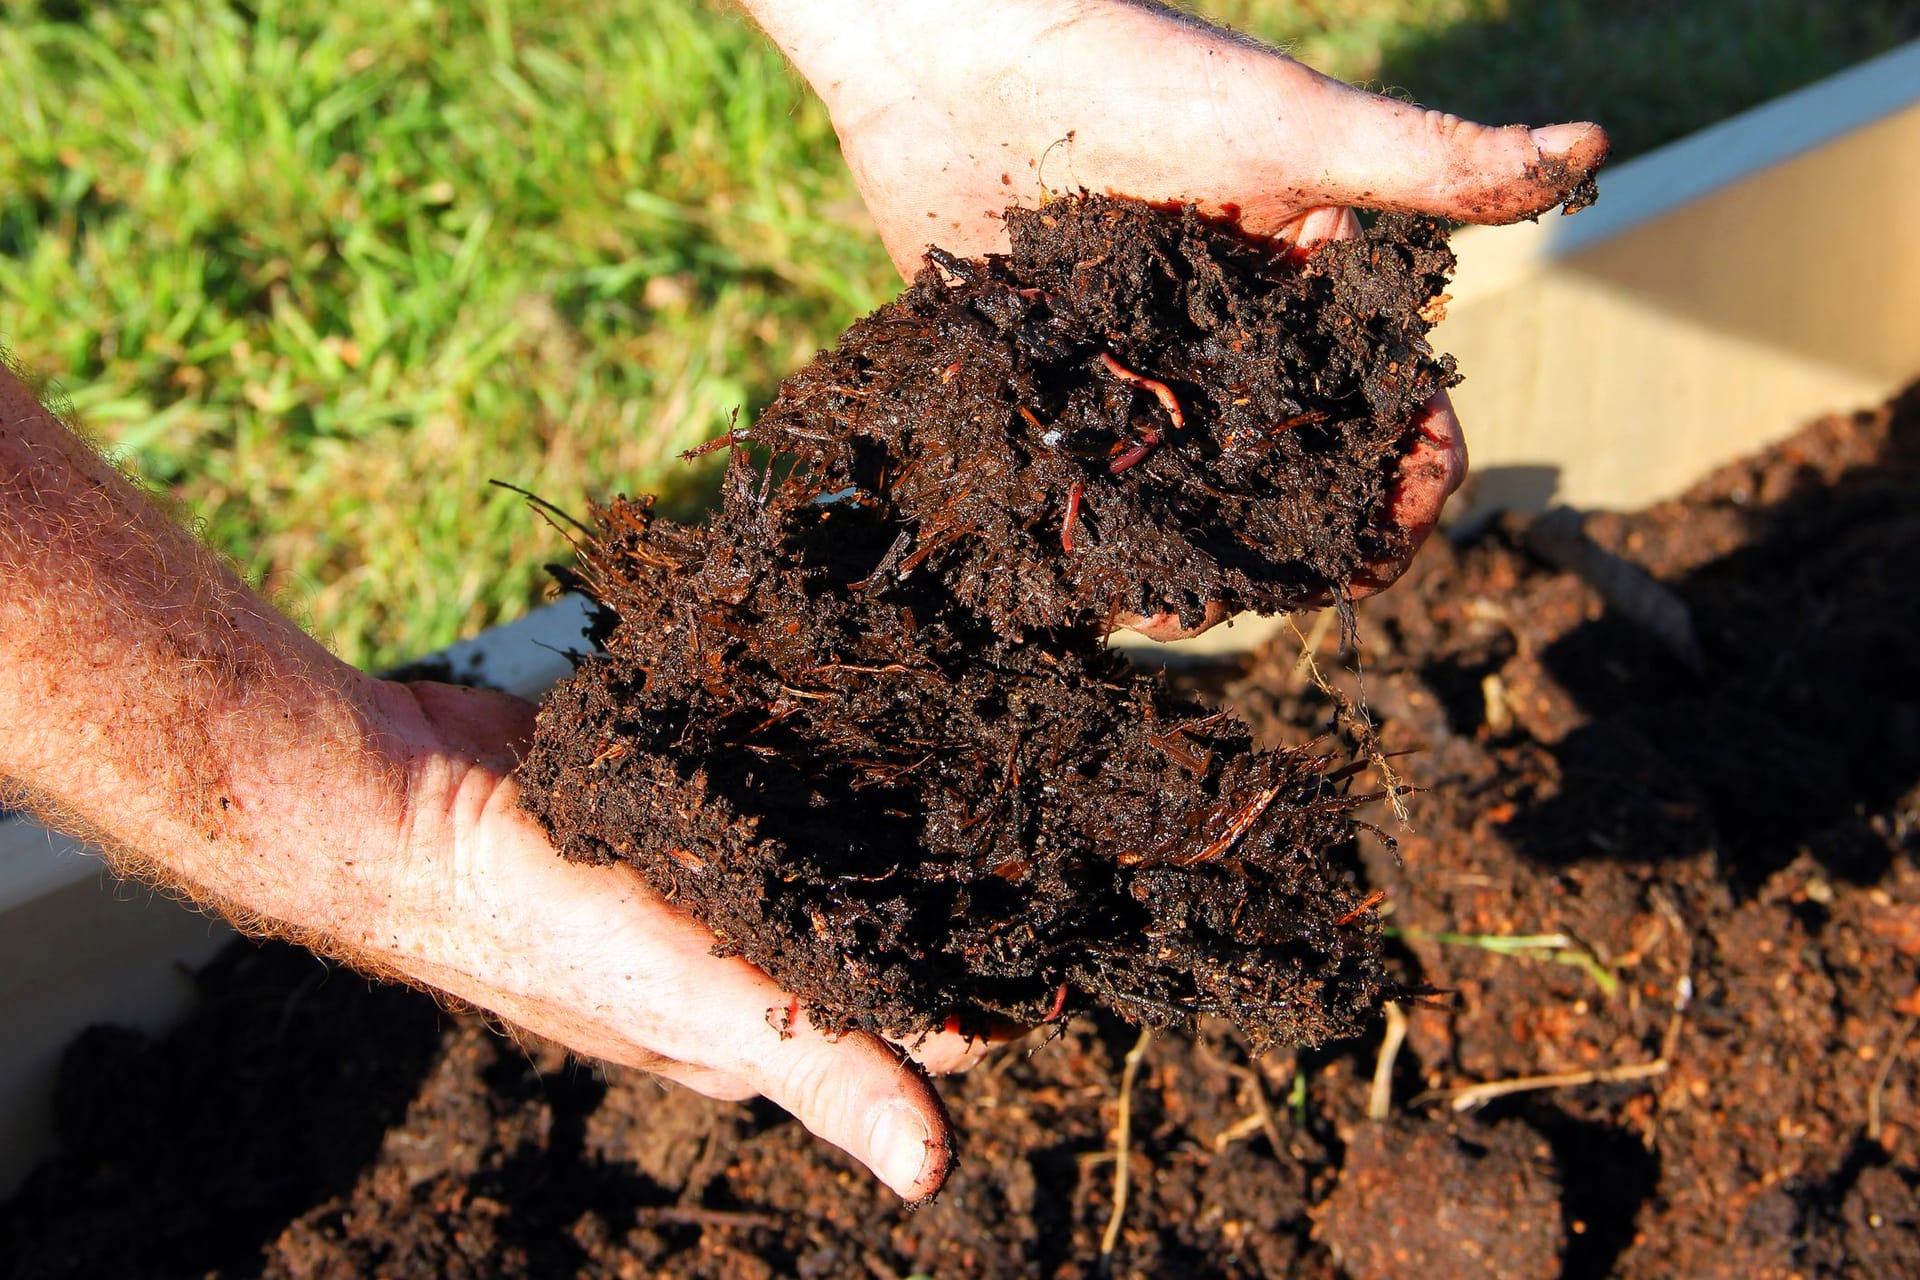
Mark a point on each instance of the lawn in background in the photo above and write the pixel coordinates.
(323, 270)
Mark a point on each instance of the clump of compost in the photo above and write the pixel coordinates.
(862, 722)
(1136, 412)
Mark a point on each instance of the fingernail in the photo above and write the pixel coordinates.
(898, 1148)
(1560, 139)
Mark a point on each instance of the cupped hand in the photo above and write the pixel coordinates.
(1036, 97)
(956, 117)
(475, 902)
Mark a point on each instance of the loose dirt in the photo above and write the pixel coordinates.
(1714, 855)
(862, 723)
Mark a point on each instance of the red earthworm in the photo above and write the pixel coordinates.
(1161, 391)
(1074, 495)
(1134, 455)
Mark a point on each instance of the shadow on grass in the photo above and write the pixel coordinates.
(1650, 72)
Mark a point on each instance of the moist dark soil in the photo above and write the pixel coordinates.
(862, 723)
(1137, 411)
(903, 818)
(1724, 847)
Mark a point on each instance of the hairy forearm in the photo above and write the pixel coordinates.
(152, 701)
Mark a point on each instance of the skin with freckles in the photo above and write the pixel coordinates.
(152, 701)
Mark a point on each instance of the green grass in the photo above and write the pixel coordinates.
(326, 272)
(1557, 948)
(322, 270)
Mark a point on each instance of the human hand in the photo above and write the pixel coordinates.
(474, 901)
(215, 749)
(947, 115)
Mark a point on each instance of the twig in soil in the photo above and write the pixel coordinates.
(547, 509)
(1122, 1140)
(1316, 634)
(1557, 947)
(1899, 1045)
(1683, 988)
(1682, 999)
(1373, 900)
(1380, 1096)
(1245, 1127)
(1474, 1096)
(1362, 723)
(1262, 1120)
(726, 439)
(1242, 823)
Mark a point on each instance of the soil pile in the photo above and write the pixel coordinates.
(1734, 989)
(1732, 982)
(903, 824)
(862, 723)
(1136, 412)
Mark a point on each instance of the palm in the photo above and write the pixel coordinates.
(1135, 101)
(1142, 103)
(591, 957)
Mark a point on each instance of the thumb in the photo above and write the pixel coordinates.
(743, 1035)
(1382, 154)
(861, 1095)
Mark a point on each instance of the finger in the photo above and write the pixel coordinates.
(1432, 469)
(1319, 225)
(621, 975)
(719, 1085)
(1164, 627)
(853, 1090)
(1429, 474)
(945, 1053)
(964, 1041)
(1379, 153)
(862, 1095)
(1437, 463)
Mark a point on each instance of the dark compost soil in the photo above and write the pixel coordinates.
(1718, 837)
(862, 722)
(1136, 411)
(903, 822)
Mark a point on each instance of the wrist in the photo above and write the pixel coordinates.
(426, 877)
(311, 821)
(870, 54)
